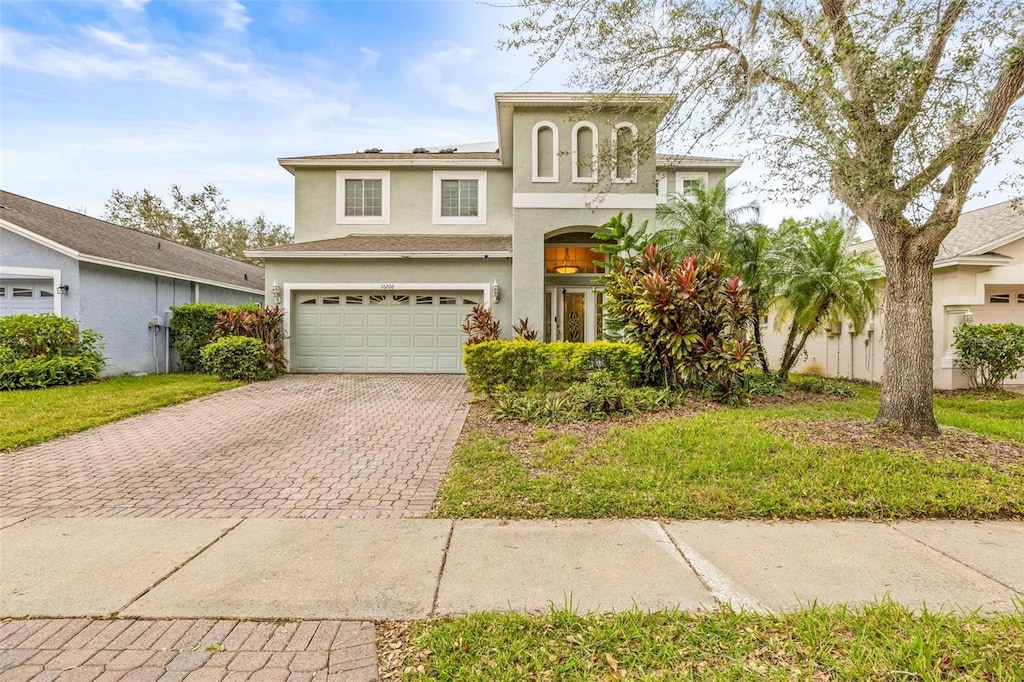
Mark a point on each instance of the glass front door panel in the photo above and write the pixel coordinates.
(575, 324)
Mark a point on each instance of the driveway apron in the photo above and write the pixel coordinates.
(313, 446)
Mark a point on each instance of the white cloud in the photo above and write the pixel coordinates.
(232, 14)
(370, 58)
(133, 5)
(442, 70)
(114, 39)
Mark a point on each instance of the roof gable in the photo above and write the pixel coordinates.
(983, 230)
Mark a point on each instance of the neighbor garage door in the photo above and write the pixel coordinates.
(19, 297)
(397, 331)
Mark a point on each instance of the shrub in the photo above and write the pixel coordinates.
(192, 328)
(686, 314)
(263, 323)
(496, 367)
(989, 354)
(236, 358)
(821, 386)
(481, 326)
(47, 350)
(596, 398)
(759, 383)
(523, 331)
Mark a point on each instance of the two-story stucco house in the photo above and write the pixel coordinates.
(392, 250)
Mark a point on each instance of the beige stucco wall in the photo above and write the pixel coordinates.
(956, 290)
(523, 123)
(411, 205)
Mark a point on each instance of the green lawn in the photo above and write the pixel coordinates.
(878, 642)
(35, 416)
(753, 462)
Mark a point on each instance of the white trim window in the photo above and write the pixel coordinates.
(687, 181)
(545, 152)
(364, 197)
(584, 152)
(460, 197)
(625, 158)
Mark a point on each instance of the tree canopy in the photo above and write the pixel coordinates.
(895, 105)
(201, 219)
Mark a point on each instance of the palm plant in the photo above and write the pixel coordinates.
(821, 280)
(700, 224)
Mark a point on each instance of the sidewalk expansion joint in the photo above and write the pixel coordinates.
(177, 568)
(440, 572)
(966, 565)
(721, 588)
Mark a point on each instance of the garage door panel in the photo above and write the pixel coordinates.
(396, 332)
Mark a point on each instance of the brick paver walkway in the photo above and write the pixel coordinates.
(195, 650)
(317, 446)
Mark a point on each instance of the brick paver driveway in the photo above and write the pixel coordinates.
(319, 446)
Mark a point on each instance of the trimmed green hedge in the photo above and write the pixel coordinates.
(497, 367)
(192, 328)
(46, 350)
(236, 358)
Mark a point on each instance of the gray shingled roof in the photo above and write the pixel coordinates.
(95, 238)
(401, 243)
(979, 228)
(688, 160)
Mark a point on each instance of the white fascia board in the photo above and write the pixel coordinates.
(980, 261)
(165, 273)
(378, 254)
(388, 163)
(39, 239)
(584, 200)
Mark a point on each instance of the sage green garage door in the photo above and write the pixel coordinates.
(397, 331)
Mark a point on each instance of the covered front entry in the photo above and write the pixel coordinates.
(393, 331)
(26, 296)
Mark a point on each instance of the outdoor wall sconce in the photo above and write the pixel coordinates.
(968, 317)
(63, 289)
(275, 290)
(495, 292)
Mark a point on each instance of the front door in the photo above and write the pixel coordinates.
(572, 314)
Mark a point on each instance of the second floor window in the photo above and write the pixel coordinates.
(460, 198)
(363, 197)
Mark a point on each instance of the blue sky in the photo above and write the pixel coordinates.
(130, 94)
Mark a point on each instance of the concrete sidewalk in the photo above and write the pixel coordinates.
(365, 569)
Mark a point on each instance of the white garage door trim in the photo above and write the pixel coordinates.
(289, 289)
(11, 272)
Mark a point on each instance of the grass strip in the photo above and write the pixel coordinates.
(39, 415)
(883, 641)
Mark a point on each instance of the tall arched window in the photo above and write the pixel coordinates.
(545, 152)
(584, 152)
(624, 142)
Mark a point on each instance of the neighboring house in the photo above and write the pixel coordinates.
(978, 276)
(118, 281)
(393, 249)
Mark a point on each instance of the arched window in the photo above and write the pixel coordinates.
(584, 152)
(545, 152)
(624, 142)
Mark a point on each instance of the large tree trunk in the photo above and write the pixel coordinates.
(907, 371)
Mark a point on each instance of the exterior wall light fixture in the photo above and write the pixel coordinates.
(495, 292)
(275, 290)
(63, 289)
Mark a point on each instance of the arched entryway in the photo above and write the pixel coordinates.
(573, 298)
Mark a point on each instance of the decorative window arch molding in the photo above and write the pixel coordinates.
(535, 137)
(634, 155)
(576, 177)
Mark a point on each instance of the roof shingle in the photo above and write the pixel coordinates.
(100, 239)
